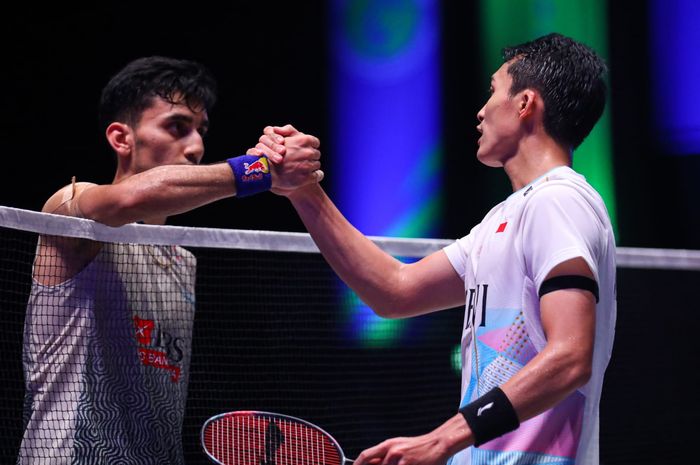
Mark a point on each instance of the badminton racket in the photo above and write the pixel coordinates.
(264, 438)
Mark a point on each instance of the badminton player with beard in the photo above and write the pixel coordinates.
(536, 275)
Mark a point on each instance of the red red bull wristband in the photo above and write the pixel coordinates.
(251, 173)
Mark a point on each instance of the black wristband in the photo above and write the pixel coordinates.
(490, 416)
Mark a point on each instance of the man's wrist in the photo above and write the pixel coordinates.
(251, 174)
(490, 416)
(456, 434)
(303, 194)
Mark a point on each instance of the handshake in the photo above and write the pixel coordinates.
(294, 158)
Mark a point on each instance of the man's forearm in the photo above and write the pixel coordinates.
(161, 191)
(367, 269)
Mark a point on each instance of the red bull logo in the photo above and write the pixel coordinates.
(258, 166)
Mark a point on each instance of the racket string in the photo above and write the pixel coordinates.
(256, 440)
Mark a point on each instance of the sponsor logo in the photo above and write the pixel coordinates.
(501, 227)
(481, 410)
(159, 348)
(158, 359)
(144, 330)
(259, 166)
(476, 306)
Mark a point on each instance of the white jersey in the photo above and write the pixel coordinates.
(503, 262)
(106, 359)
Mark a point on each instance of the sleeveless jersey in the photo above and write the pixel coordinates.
(106, 359)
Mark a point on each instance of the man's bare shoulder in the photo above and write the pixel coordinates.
(65, 200)
(59, 258)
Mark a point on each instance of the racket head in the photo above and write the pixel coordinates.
(250, 437)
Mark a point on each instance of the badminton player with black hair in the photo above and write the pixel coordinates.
(108, 329)
(536, 275)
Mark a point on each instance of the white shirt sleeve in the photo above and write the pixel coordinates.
(559, 224)
(459, 252)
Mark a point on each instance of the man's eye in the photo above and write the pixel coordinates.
(178, 129)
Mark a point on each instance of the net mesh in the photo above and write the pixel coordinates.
(273, 329)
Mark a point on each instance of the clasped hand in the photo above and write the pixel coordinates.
(294, 155)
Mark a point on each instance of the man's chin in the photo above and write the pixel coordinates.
(488, 159)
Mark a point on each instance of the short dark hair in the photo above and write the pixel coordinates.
(129, 92)
(569, 76)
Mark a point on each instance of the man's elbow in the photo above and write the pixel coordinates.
(581, 374)
(122, 210)
(391, 308)
(401, 306)
(579, 370)
(386, 311)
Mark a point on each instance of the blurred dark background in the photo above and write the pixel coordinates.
(271, 61)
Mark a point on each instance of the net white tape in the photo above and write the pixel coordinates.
(627, 257)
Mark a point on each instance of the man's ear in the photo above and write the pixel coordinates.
(528, 103)
(120, 138)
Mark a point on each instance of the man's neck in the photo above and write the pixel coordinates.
(535, 157)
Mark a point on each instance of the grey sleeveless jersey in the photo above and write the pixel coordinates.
(106, 359)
